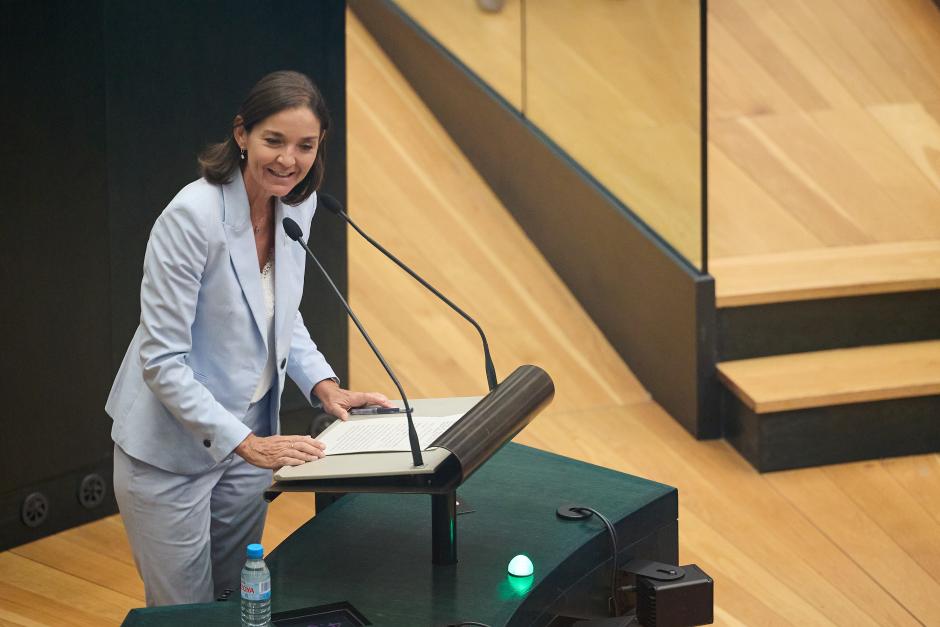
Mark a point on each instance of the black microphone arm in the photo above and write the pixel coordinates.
(295, 233)
(334, 206)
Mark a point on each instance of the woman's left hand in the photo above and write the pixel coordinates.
(338, 401)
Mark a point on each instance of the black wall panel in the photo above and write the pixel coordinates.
(105, 105)
(177, 72)
(56, 365)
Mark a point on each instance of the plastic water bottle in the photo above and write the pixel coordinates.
(256, 589)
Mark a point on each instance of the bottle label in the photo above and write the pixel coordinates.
(257, 590)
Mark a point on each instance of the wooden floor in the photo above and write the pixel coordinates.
(854, 544)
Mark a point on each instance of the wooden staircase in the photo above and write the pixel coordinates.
(838, 360)
(827, 273)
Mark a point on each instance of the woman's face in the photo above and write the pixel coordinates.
(281, 150)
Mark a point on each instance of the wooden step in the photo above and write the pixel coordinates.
(826, 273)
(835, 377)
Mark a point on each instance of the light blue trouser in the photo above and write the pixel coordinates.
(188, 533)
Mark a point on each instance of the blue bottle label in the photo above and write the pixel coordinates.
(257, 591)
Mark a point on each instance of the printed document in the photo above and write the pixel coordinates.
(385, 433)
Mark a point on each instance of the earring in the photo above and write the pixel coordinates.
(244, 152)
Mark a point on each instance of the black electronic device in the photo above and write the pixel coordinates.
(341, 614)
(659, 595)
(665, 596)
(681, 602)
(670, 596)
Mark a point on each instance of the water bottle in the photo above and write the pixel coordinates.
(256, 589)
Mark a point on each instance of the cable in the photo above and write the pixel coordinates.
(587, 511)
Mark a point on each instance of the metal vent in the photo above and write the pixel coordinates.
(35, 509)
(92, 491)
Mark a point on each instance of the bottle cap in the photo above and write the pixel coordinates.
(255, 551)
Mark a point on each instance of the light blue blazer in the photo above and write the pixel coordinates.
(194, 363)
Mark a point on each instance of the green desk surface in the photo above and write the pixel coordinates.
(374, 550)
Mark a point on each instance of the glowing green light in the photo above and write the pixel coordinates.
(520, 566)
(518, 587)
(519, 581)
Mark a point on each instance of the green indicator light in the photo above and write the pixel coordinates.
(519, 581)
(520, 566)
(519, 586)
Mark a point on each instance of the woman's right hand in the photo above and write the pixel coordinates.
(276, 451)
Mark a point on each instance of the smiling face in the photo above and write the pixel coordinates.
(280, 151)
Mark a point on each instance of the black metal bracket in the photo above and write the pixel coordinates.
(569, 511)
(444, 529)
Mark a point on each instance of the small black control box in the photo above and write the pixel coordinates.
(681, 602)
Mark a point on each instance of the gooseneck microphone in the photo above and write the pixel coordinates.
(334, 206)
(295, 233)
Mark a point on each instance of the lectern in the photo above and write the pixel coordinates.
(487, 424)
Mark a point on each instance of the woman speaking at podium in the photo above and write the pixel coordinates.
(195, 403)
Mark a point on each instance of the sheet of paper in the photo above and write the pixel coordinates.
(388, 433)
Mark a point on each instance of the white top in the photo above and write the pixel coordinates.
(267, 287)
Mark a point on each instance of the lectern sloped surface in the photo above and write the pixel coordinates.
(361, 465)
(486, 425)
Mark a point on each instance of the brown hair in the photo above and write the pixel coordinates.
(272, 94)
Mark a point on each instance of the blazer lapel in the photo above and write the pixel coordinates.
(241, 245)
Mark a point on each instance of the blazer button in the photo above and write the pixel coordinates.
(206, 443)
(283, 363)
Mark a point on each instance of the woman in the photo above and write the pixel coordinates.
(195, 403)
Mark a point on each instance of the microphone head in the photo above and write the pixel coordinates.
(329, 203)
(292, 229)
